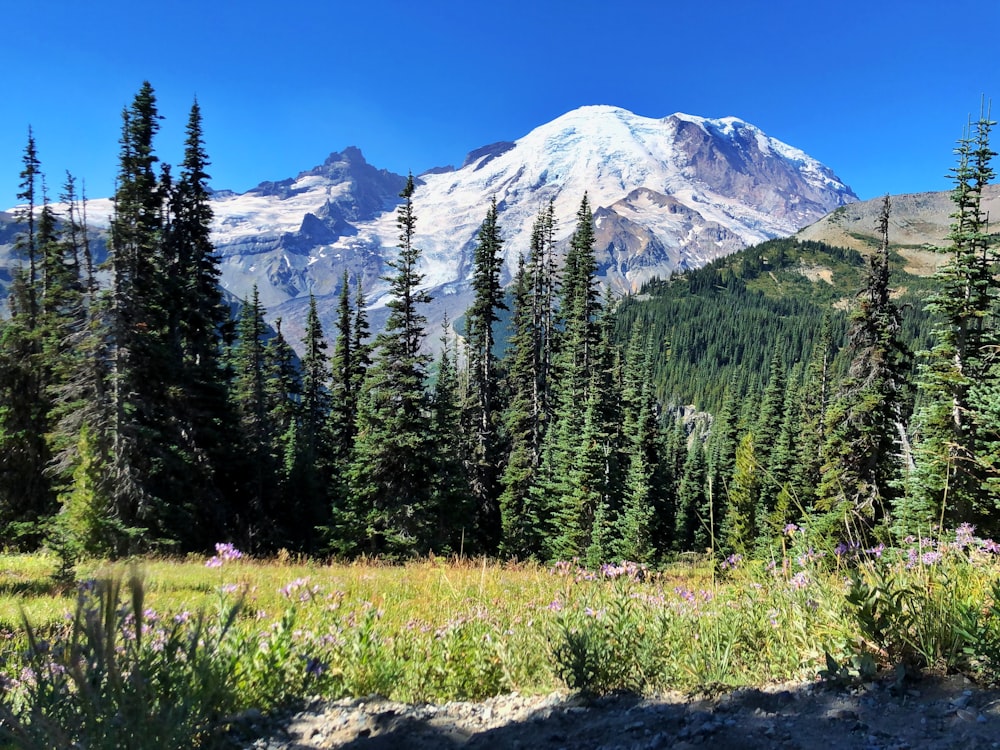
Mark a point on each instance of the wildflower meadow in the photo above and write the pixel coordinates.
(165, 653)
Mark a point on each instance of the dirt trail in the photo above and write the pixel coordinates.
(934, 713)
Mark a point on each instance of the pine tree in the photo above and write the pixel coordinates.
(816, 394)
(558, 495)
(26, 244)
(636, 525)
(26, 497)
(391, 472)
(286, 476)
(767, 431)
(343, 395)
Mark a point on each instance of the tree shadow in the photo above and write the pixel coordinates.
(745, 719)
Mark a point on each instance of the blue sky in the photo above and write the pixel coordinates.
(878, 90)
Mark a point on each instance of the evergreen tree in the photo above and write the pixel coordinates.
(391, 472)
(25, 494)
(813, 406)
(949, 478)
(861, 472)
(636, 525)
(286, 476)
(343, 395)
(693, 525)
(197, 317)
(250, 401)
(314, 437)
(452, 498)
(767, 431)
(26, 245)
(144, 466)
(484, 407)
(557, 493)
(519, 517)
(739, 526)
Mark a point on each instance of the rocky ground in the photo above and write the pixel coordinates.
(935, 713)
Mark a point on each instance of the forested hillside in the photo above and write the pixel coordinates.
(790, 385)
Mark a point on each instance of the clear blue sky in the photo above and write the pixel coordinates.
(879, 90)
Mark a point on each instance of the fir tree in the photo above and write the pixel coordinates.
(861, 473)
(314, 436)
(519, 519)
(452, 498)
(949, 477)
(144, 466)
(739, 526)
(693, 526)
(250, 401)
(343, 394)
(484, 407)
(391, 472)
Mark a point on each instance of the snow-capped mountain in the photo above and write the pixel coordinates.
(666, 193)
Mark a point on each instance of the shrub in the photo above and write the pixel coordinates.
(120, 677)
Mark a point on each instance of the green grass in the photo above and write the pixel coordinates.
(438, 630)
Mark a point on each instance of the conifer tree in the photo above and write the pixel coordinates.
(566, 521)
(26, 244)
(286, 476)
(949, 478)
(813, 405)
(861, 471)
(484, 407)
(636, 525)
(767, 431)
(25, 495)
(251, 403)
(314, 437)
(452, 497)
(144, 468)
(391, 472)
(197, 317)
(693, 525)
(519, 518)
(343, 394)
(739, 526)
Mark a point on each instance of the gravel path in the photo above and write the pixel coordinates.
(935, 713)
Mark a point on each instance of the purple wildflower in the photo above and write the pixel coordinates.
(965, 534)
(732, 561)
(930, 558)
(799, 581)
(876, 551)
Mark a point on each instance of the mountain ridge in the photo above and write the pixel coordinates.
(667, 194)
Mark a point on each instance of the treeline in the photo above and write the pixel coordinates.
(864, 426)
(136, 415)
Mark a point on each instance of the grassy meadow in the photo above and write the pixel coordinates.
(193, 641)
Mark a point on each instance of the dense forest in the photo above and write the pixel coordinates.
(711, 411)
